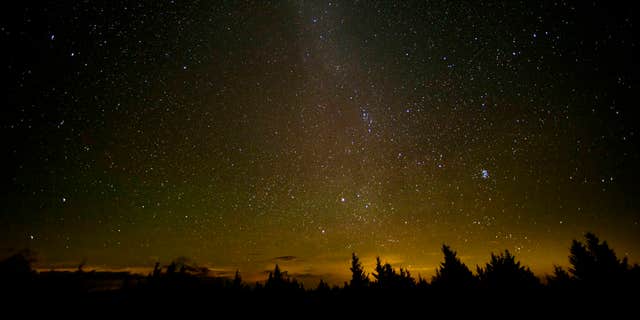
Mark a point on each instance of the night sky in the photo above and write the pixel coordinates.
(244, 134)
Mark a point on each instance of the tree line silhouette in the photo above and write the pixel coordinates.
(594, 269)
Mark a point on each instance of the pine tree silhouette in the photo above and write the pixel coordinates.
(275, 281)
(157, 270)
(279, 281)
(452, 273)
(504, 272)
(560, 279)
(237, 281)
(382, 274)
(405, 280)
(323, 287)
(594, 263)
(387, 277)
(359, 279)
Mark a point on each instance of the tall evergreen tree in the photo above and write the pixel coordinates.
(595, 263)
(504, 272)
(359, 279)
(452, 273)
(387, 277)
(237, 280)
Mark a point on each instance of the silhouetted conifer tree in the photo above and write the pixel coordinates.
(382, 274)
(237, 280)
(595, 264)
(156, 270)
(323, 287)
(405, 280)
(504, 272)
(422, 283)
(279, 281)
(452, 273)
(359, 279)
(387, 278)
(560, 279)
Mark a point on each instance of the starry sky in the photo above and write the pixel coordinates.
(243, 134)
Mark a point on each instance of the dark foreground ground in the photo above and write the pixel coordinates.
(89, 296)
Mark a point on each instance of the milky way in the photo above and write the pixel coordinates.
(244, 134)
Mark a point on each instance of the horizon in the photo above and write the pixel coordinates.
(297, 269)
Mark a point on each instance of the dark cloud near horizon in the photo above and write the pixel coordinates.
(285, 258)
(222, 273)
